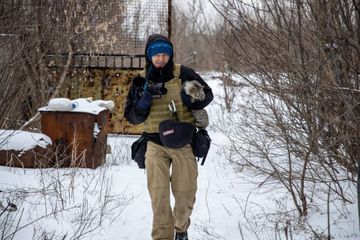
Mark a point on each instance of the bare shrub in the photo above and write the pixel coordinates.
(298, 126)
(82, 201)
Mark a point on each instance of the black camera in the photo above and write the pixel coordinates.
(157, 88)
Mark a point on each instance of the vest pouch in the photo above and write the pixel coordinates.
(200, 144)
(138, 149)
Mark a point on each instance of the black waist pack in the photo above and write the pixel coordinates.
(174, 134)
(138, 149)
(200, 144)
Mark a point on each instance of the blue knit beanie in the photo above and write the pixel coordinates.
(159, 46)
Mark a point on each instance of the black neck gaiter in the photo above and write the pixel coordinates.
(159, 75)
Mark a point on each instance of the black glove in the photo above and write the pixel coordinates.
(187, 100)
(145, 100)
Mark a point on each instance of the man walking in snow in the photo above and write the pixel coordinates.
(157, 99)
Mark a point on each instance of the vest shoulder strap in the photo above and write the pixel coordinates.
(177, 69)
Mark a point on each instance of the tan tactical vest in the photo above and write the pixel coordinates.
(160, 106)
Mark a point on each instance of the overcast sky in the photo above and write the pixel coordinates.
(209, 9)
(210, 12)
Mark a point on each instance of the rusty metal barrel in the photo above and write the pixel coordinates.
(79, 137)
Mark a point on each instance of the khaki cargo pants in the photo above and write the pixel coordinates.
(183, 182)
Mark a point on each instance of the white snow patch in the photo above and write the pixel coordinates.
(83, 105)
(21, 140)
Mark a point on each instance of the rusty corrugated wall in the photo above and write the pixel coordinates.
(103, 83)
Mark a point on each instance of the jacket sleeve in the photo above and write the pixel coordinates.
(132, 112)
(188, 74)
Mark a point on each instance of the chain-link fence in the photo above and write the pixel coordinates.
(95, 27)
(142, 19)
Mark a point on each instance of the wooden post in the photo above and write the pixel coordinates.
(169, 18)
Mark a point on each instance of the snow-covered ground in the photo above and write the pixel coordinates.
(113, 203)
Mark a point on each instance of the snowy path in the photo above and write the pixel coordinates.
(216, 211)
